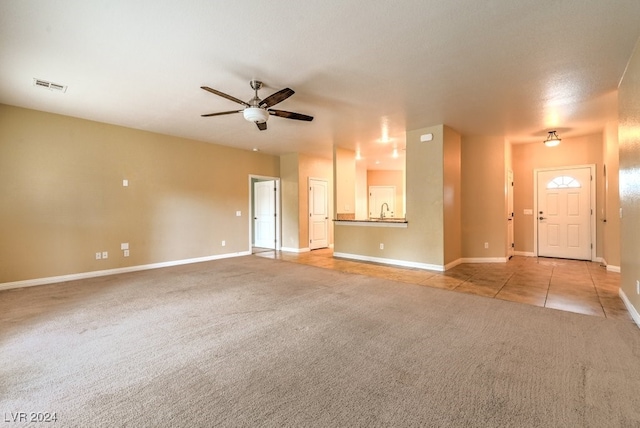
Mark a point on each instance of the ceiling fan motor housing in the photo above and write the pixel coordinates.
(255, 114)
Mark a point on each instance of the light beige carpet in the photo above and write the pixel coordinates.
(256, 342)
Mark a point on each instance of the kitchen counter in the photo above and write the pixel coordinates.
(374, 222)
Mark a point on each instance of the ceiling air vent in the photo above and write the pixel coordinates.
(49, 85)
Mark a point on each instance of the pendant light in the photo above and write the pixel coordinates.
(552, 139)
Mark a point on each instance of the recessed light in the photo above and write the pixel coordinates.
(255, 149)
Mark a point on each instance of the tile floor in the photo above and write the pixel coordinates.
(567, 285)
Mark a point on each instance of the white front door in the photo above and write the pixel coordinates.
(318, 214)
(264, 219)
(382, 201)
(564, 213)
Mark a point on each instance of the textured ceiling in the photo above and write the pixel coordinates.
(364, 69)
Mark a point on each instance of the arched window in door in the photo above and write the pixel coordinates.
(563, 182)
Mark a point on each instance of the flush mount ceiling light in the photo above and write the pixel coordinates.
(552, 139)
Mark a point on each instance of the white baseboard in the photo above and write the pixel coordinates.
(612, 268)
(485, 260)
(452, 264)
(632, 310)
(294, 250)
(394, 262)
(524, 253)
(97, 273)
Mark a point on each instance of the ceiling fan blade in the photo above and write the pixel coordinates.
(221, 113)
(223, 95)
(290, 115)
(262, 125)
(277, 97)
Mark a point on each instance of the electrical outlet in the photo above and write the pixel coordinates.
(98, 256)
(105, 255)
(238, 213)
(224, 243)
(381, 246)
(486, 245)
(126, 253)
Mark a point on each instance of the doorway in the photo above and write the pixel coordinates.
(265, 209)
(564, 224)
(318, 213)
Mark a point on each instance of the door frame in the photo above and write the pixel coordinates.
(510, 215)
(592, 169)
(277, 219)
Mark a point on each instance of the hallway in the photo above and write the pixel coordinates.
(567, 285)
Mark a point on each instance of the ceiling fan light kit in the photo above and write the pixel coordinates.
(255, 114)
(257, 110)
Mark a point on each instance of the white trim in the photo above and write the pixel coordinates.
(632, 311)
(524, 253)
(403, 263)
(295, 250)
(612, 268)
(485, 260)
(594, 208)
(452, 264)
(98, 273)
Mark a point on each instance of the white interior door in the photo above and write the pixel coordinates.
(564, 213)
(318, 214)
(264, 219)
(382, 201)
(510, 240)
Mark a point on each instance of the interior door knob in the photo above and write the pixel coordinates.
(542, 218)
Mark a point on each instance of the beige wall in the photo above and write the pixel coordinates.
(63, 199)
(361, 191)
(388, 178)
(422, 242)
(629, 144)
(452, 195)
(289, 192)
(483, 197)
(611, 229)
(527, 157)
(345, 173)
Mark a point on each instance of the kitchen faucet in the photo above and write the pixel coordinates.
(382, 209)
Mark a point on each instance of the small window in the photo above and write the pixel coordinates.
(563, 182)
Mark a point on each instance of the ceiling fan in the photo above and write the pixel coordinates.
(257, 110)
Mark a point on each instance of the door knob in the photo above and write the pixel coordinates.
(542, 218)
